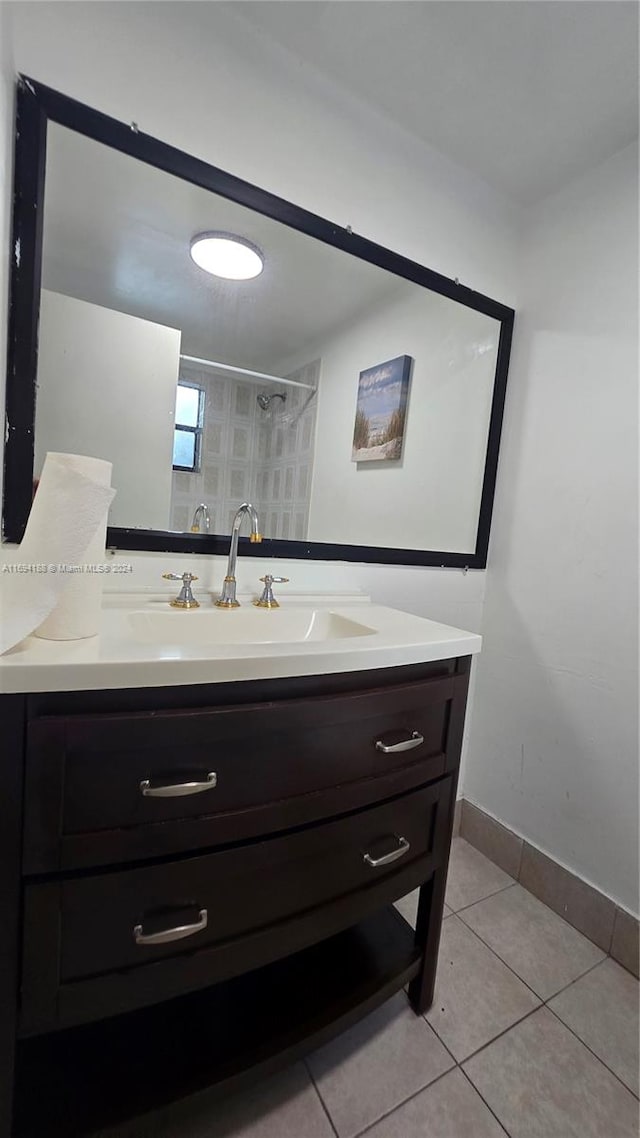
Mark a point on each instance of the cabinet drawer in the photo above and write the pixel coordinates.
(121, 922)
(105, 788)
(240, 889)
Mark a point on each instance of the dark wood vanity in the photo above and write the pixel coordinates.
(199, 881)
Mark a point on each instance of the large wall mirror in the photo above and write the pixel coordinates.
(353, 396)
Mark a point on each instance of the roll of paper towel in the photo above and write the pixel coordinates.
(48, 587)
(77, 612)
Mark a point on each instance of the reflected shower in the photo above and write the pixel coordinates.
(264, 400)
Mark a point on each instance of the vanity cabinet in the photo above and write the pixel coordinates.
(200, 880)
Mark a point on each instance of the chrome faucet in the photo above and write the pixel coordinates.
(185, 598)
(201, 511)
(267, 600)
(227, 598)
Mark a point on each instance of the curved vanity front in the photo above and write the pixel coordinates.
(208, 873)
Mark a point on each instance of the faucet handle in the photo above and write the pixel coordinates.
(185, 598)
(267, 599)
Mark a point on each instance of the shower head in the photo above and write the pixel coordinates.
(264, 400)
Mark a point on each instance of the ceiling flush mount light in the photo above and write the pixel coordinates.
(228, 256)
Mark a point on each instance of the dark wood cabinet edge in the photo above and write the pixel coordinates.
(431, 901)
(12, 730)
(457, 707)
(432, 689)
(237, 692)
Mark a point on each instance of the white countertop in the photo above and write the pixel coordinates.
(121, 658)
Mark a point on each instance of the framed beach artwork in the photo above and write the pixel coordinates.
(381, 411)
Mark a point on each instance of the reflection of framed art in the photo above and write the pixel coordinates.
(381, 411)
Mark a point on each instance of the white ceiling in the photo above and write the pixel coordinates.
(527, 94)
(117, 233)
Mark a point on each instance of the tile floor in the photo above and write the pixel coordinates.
(533, 1033)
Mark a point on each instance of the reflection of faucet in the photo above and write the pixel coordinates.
(200, 511)
(227, 598)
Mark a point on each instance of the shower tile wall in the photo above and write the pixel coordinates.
(229, 442)
(248, 453)
(286, 440)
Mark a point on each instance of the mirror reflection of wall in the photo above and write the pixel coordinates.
(257, 444)
(106, 387)
(436, 485)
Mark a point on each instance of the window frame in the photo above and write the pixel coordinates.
(197, 431)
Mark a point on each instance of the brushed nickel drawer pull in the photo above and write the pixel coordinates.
(403, 848)
(178, 789)
(179, 932)
(415, 740)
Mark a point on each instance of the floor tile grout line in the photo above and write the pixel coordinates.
(543, 999)
(322, 1102)
(495, 1038)
(458, 1064)
(521, 845)
(580, 977)
(592, 1052)
(502, 889)
(517, 880)
(486, 856)
(446, 1047)
(456, 1067)
(483, 1099)
(607, 955)
(414, 1094)
(542, 1002)
(607, 951)
(508, 966)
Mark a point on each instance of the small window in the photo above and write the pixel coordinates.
(187, 436)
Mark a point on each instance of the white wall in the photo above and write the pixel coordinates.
(196, 76)
(107, 387)
(430, 498)
(554, 747)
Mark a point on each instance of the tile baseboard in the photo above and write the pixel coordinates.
(494, 840)
(625, 944)
(588, 910)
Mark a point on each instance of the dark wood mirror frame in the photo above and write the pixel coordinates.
(36, 106)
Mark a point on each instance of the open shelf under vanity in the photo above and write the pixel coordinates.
(72, 1082)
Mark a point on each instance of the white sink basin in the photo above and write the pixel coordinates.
(145, 643)
(248, 625)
